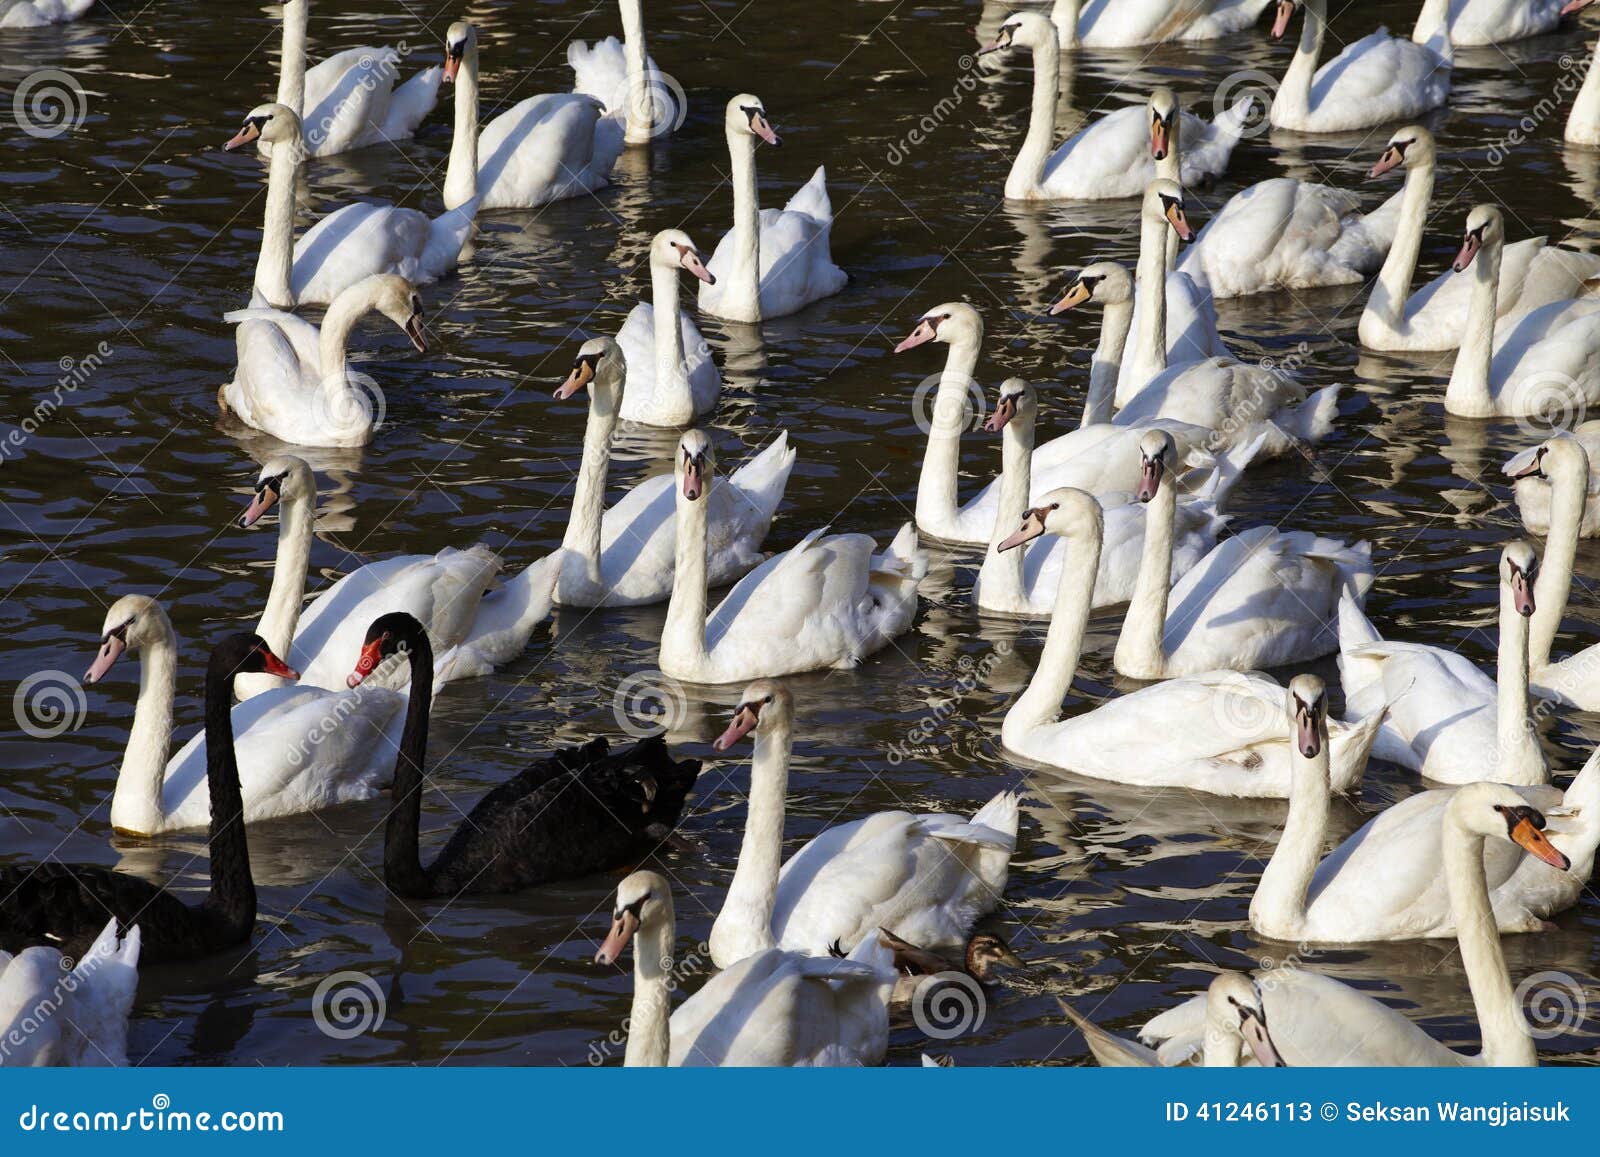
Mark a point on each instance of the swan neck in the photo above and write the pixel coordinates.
(292, 65)
(1513, 726)
(136, 804)
(281, 615)
(1568, 495)
(402, 863)
(1278, 908)
(1294, 91)
(1583, 122)
(937, 509)
(683, 637)
(1393, 288)
(637, 57)
(1040, 702)
(233, 891)
(742, 299)
(1115, 323)
(1468, 392)
(1027, 171)
(461, 174)
(1150, 285)
(672, 377)
(650, 1019)
(589, 492)
(1505, 1032)
(1002, 577)
(1140, 653)
(275, 262)
(744, 926)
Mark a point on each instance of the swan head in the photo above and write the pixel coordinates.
(673, 248)
(642, 899)
(1307, 701)
(747, 116)
(1519, 570)
(696, 461)
(1282, 16)
(1411, 146)
(765, 699)
(951, 322)
(133, 621)
(1495, 811)
(1485, 226)
(601, 369)
(247, 654)
(274, 123)
(283, 476)
(987, 953)
(461, 39)
(392, 634)
(1234, 1001)
(1029, 30)
(1163, 200)
(1157, 453)
(1016, 398)
(398, 300)
(1107, 282)
(1163, 119)
(1558, 457)
(1065, 511)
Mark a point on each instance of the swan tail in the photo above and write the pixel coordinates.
(1002, 813)
(812, 198)
(1312, 420)
(1235, 119)
(448, 234)
(1223, 471)
(765, 477)
(599, 70)
(1111, 1052)
(106, 980)
(1576, 820)
(411, 103)
(903, 565)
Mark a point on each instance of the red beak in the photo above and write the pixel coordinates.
(371, 656)
(276, 666)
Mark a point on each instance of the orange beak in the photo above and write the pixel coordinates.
(1537, 844)
(623, 926)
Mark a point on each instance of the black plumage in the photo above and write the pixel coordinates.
(68, 905)
(578, 811)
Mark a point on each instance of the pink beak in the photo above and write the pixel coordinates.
(262, 502)
(1149, 480)
(1390, 159)
(693, 483)
(1032, 527)
(1575, 6)
(452, 65)
(1469, 250)
(764, 130)
(622, 930)
(691, 261)
(110, 650)
(1522, 595)
(924, 332)
(1305, 733)
(241, 138)
(1280, 23)
(1004, 411)
(744, 722)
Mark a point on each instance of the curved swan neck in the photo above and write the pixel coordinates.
(937, 508)
(1583, 122)
(683, 637)
(1115, 322)
(1064, 15)
(1568, 494)
(589, 492)
(1505, 1032)
(1027, 171)
(280, 616)
(1002, 574)
(637, 58)
(333, 342)
(233, 890)
(1040, 702)
(1223, 1047)
(742, 299)
(137, 804)
(1387, 302)
(461, 174)
(1279, 906)
(672, 378)
(1140, 652)
(650, 1019)
(275, 262)
(292, 66)
(1468, 392)
(744, 926)
(1294, 91)
(402, 863)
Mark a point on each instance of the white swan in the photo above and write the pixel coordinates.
(772, 262)
(1316, 1020)
(1447, 719)
(1583, 121)
(544, 148)
(1535, 488)
(1130, 23)
(925, 877)
(1260, 599)
(1121, 152)
(57, 1012)
(40, 13)
(775, 1008)
(349, 101)
(1532, 274)
(672, 378)
(292, 381)
(1392, 879)
(1025, 582)
(474, 621)
(622, 556)
(622, 75)
(1376, 79)
(300, 748)
(1471, 23)
(1235, 1020)
(1564, 464)
(832, 599)
(1549, 362)
(349, 244)
(1220, 731)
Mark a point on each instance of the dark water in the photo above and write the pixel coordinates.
(136, 231)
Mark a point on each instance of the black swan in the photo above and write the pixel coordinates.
(579, 811)
(67, 905)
